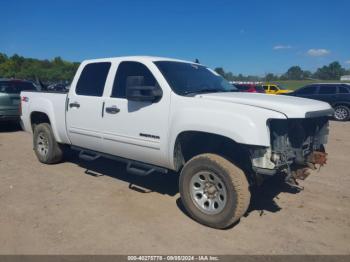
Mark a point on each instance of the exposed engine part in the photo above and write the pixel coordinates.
(317, 157)
(301, 173)
(296, 147)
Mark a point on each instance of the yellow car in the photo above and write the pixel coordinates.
(274, 89)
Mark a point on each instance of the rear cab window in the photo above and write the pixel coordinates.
(92, 79)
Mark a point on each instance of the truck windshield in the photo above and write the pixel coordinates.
(186, 78)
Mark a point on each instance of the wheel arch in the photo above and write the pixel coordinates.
(341, 103)
(190, 143)
(37, 117)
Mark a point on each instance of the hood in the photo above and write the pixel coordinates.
(292, 107)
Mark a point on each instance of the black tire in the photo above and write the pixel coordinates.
(43, 137)
(341, 113)
(235, 183)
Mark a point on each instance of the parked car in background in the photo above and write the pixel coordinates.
(10, 90)
(336, 94)
(275, 89)
(250, 88)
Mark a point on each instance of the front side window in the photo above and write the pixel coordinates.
(327, 89)
(273, 88)
(92, 79)
(186, 78)
(131, 74)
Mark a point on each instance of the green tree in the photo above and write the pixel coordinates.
(294, 73)
(270, 77)
(331, 72)
(28, 68)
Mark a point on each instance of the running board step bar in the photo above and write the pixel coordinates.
(132, 167)
(140, 169)
(88, 155)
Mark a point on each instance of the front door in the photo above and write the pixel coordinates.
(133, 129)
(84, 106)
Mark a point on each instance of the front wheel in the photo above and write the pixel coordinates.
(47, 150)
(214, 191)
(341, 113)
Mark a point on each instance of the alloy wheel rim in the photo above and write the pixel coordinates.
(341, 113)
(208, 192)
(42, 144)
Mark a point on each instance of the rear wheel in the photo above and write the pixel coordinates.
(47, 150)
(214, 191)
(341, 113)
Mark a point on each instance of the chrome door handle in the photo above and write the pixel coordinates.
(112, 110)
(74, 104)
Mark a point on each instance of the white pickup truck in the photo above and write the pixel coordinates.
(161, 114)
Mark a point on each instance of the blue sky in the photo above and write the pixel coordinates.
(249, 37)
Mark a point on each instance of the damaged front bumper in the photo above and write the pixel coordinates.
(297, 147)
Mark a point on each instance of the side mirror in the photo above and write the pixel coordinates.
(144, 93)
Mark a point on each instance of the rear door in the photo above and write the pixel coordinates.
(327, 93)
(84, 106)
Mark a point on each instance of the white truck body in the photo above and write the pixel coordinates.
(160, 114)
(241, 117)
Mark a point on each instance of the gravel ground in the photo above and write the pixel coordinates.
(81, 207)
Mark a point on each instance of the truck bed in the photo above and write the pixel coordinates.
(53, 104)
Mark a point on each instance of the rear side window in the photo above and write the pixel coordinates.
(273, 88)
(327, 89)
(308, 90)
(266, 87)
(131, 74)
(92, 79)
(343, 90)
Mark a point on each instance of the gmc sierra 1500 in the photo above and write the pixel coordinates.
(160, 114)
